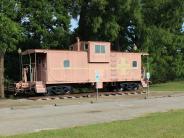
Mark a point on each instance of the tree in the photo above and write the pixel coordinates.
(46, 23)
(163, 38)
(116, 21)
(10, 34)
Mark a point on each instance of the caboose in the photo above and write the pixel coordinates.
(89, 63)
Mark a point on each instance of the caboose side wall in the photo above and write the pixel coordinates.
(102, 69)
(81, 71)
(76, 72)
(121, 66)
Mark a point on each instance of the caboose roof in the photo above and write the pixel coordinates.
(144, 54)
(31, 51)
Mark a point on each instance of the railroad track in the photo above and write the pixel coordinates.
(85, 95)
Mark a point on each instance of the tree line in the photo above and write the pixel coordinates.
(154, 26)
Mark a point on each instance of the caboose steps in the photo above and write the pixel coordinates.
(144, 84)
(40, 87)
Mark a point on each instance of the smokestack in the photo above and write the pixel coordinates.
(78, 43)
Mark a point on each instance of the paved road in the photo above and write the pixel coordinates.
(15, 121)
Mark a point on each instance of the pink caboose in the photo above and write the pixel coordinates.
(85, 63)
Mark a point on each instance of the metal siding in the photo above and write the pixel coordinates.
(118, 69)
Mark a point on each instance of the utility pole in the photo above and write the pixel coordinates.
(97, 78)
(2, 95)
(96, 91)
(148, 78)
(20, 62)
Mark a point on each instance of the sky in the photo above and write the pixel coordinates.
(74, 23)
(183, 27)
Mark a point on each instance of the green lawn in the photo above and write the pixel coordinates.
(157, 125)
(169, 86)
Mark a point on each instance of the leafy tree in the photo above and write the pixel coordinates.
(46, 23)
(116, 21)
(163, 38)
(10, 35)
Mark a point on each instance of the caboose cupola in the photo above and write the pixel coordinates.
(98, 52)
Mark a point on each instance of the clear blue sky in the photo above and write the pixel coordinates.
(183, 27)
(74, 23)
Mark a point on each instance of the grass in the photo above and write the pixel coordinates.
(169, 86)
(158, 125)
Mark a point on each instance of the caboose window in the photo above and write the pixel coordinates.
(102, 49)
(134, 64)
(85, 47)
(99, 49)
(66, 63)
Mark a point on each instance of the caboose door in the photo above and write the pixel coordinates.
(41, 67)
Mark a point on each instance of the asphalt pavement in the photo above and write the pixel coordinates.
(32, 119)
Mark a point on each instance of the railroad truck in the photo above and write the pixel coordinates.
(86, 63)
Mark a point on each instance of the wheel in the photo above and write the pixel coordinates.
(121, 89)
(132, 86)
(67, 90)
(135, 88)
(50, 91)
(58, 90)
